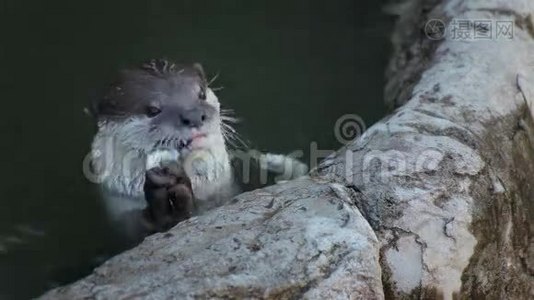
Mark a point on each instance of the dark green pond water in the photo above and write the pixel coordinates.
(290, 69)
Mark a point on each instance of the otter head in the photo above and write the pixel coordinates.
(161, 105)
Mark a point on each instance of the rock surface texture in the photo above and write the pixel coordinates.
(435, 201)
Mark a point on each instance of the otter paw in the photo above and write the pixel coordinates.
(169, 196)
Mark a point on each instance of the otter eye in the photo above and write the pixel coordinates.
(202, 94)
(152, 111)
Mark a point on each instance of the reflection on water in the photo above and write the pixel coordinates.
(289, 69)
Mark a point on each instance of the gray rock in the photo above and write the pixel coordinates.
(300, 239)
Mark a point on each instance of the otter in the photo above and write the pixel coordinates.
(161, 145)
(151, 111)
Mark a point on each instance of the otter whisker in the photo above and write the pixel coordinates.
(229, 119)
(229, 127)
(226, 111)
(227, 115)
(231, 136)
(212, 80)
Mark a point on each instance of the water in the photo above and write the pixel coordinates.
(290, 69)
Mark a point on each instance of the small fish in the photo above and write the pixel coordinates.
(160, 157)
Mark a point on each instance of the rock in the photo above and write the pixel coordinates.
(444, 181)
(299, 239)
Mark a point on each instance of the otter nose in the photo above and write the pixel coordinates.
(193, 118)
